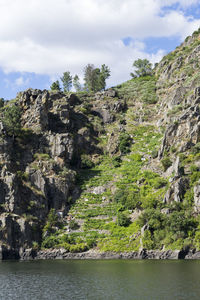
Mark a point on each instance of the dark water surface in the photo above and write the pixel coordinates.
(100, 280)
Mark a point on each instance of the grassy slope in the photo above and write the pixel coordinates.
(132, 178)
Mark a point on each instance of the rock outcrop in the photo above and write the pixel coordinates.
(143, 140)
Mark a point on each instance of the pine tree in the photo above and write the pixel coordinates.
(55, 86)
(76, 83)
(95, 78)
(104, 74)
(67, 81)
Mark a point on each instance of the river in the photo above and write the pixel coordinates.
(100, 280)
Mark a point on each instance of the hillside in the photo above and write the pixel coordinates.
(116, 171)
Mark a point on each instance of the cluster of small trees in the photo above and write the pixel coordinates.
(94, 80)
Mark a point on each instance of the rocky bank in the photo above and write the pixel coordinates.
(62, 175)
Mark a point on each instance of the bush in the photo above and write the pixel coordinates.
(50, 242)
(196, 148)
(52, 221)
(73, 225)
(86, 162)
(178, 223)
(159, 183)
(124, 143)
(123, 220)
(22, 175)
(41, 156)
(91, 243)
(153, 217)
(129, 199)
(154, 153)
(147, 241)
(12, 120)
(35, 245)
(166, 163)
(116, 161)
(78, 248)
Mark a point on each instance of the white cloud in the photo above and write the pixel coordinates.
(50, 37)
(21, 81)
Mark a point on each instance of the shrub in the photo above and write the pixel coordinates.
(41, 156)
(52, 220)
(64, 172)
(66, 246)
(123, 220)
(159, 183)
(1, 102)
(153, 217)
(179, 224)
(22, 175)
(166, 163)
(12, 120)
(129, 199)
(73, 225)
(91, 242)
(154, 153)
(78, 248)
(124, 143)
(116, 161)
(196, 148)
(86, 162)
(50, 242)
(147, 241)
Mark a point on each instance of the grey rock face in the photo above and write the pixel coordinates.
(107, 109)
(176, 191)
(197, 198)
(105, 94)
(61, 145)
(35, 109)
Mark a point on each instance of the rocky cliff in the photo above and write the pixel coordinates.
(113, 171)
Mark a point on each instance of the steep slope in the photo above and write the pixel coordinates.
(112, 171)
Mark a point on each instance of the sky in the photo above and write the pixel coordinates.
(41, 39)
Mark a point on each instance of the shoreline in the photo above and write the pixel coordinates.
(62, 254)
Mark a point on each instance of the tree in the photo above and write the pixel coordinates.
(55, 86)
(2, 102)
(76, 83)
(12, 120)
(104, 74)
(89, 77)
(143, 68)
(95, 78)
(67, 81)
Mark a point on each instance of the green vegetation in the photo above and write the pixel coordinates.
(55, 86)
(143, 68)
(95, 78)
(76, 83)
(122, 198)
(142, 89)
(124, 143)
(2, 102)
(66, 81)
(86, 162)
(166, 163)
(123, 220)
(12, 120)
(105, 218)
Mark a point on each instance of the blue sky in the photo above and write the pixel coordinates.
(39, 40)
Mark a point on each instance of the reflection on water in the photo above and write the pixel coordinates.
(100, 280)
